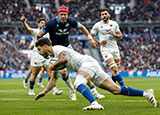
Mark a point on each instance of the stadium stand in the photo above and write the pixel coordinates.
(139, 47)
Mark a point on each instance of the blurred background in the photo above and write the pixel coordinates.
(139, 22)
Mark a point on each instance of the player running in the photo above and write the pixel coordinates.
(109, 32)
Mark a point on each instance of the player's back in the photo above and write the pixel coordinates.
(75, 58)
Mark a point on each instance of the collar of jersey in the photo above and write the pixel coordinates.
(59, 20)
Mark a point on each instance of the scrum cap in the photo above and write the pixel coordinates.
(62, 9)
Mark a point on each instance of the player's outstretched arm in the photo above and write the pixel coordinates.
(25, 25)
(39, 95)
(50, 85)
(85, 31)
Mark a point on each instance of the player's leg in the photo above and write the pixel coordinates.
(80, 84)
(68, 81)
(94, 91)
(109, 59)
(41, 77)
(115, 75)
(109, 85)
(35, 71)
(27, 76)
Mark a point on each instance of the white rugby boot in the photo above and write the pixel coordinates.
(151, 98)
(96, 94)
(31, 92)
(73, 95)
(24, 84)
(57, 92)
(41, 85)
(94, 107)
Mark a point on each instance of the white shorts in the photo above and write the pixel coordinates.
(92, 67)
(38, 60)
(107, 54)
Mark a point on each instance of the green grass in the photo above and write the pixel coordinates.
(14, 100)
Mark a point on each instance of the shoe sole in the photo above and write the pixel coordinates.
(93, 109)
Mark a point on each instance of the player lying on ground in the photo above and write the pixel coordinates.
(87, 68)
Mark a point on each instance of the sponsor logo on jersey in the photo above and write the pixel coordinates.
(67, 25)
(62, 32)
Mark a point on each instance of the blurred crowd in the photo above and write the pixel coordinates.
(139, 51)
(82, 10)
(10, 56)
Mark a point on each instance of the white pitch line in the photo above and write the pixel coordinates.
(64, 100)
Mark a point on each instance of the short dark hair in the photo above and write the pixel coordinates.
(43, 41)
(42, 19)
(102, 10)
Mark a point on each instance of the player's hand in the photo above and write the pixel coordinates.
(103, 42)
(23, 18)
(93, 43)
(38, 96)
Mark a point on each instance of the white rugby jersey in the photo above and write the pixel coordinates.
(103, 30)
(75, 59)
(34, 37)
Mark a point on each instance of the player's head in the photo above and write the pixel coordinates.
(62, 13)
(105, 15)
(41, 22)
(44, 46)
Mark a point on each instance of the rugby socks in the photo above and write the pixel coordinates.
(69, 83)
(26, 80)
(93, 90)
(40, 80)
(32, 84)
(130, 91)
(92, 87)
(54, 88)
(119, 79)
(86, 93)
(49, 78)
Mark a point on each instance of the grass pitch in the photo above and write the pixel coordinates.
(14, 100)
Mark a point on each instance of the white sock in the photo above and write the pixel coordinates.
(94, 103)
(145, 94)
(69, 84)
(54, 89)
(94, 91)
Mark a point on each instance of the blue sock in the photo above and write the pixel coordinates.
(26, 80)
(92, 87)
(119, 79)
(32, 84)
(40, 80)
(86, 93)
(65, 79)
(130, 91)
(49, 78)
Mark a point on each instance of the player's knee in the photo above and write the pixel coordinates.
(79, 80)
(63, 73)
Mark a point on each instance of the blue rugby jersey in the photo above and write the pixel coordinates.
(58, 31)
